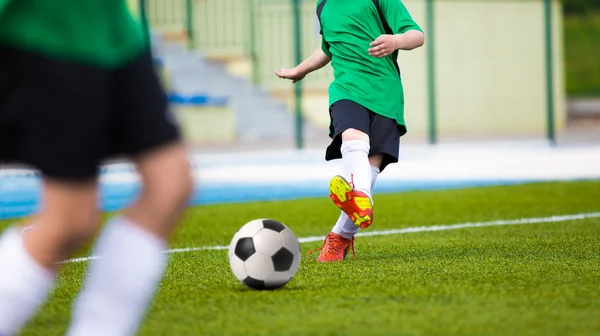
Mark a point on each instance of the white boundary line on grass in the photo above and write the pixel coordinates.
(522, 221)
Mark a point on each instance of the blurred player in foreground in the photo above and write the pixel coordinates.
(361, 39)
(77, 85)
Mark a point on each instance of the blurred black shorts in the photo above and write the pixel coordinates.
(64, 118)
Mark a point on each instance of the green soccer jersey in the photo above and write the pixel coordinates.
(347, 28)
(96, 32)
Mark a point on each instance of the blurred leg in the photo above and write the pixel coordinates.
(120, 285)
(55, 114)
(69, 219)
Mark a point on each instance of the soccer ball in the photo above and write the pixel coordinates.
(264, 254)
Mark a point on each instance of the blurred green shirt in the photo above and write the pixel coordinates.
(96, 32)
(347, 28)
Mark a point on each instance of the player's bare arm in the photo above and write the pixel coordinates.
(386, 44)
(314, 62)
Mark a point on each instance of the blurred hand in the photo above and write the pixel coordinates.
(384, 45)
(292, 74)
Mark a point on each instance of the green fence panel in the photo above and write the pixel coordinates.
(221, 27)
(166, 15)
(275, 41)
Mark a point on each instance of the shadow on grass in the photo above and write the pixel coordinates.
(284, 289)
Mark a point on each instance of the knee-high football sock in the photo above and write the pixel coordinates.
(355, 159)
(121, 283)
(344, 226)
(24, 284)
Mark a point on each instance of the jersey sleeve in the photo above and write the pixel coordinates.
(324, 44)
(325, 47)
(398, 16)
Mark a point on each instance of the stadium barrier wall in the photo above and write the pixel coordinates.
(205, 119)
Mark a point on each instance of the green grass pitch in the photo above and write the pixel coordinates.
(534, 279)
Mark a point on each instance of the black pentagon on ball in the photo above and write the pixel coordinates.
(244, 248)
(254, 283)
(273, 225)
(282, 260)
(262, 285)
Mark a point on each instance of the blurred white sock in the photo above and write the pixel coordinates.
(121, 283)
(24, 284)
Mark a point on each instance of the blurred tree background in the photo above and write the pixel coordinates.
(582, 47)
(579, 7)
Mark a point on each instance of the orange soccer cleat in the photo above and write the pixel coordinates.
(334, 248)
(356, 204)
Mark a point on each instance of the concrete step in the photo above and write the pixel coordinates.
(583, 107)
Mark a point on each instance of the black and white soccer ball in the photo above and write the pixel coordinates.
(264, 254)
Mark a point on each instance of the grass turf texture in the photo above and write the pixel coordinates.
(535, 279)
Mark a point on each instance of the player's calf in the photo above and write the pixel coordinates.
(168, 185)
(68, 219)
(132, 249)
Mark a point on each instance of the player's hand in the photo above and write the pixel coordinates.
(384, 45)
(292, 74)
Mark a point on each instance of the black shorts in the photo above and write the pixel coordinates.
(64, 118)
(384, 133)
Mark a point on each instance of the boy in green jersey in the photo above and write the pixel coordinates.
(361, 39)
(77, 85)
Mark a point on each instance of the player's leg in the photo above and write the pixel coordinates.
(384, 143)
(120, 285)
(344, 226)
(61, 135)
(341, 238)
(352, 191)
(28, 261)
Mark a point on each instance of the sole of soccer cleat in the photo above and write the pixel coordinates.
(340, 191)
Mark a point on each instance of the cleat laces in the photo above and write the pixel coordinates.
(333, 246)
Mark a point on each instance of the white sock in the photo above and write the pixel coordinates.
(344, 225)
(355, 158)
(121, 283)
(374, 173)
(24, 284)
